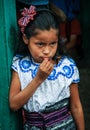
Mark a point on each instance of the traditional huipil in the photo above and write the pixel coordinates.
(48, 108)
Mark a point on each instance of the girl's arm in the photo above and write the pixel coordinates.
(17, 97)
(76, 107)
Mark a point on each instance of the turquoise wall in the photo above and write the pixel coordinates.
(8, 119)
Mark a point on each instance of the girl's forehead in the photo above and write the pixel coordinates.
(45, 36)
(39, 31)
(47, 33)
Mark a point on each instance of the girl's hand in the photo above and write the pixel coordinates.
(45, 69)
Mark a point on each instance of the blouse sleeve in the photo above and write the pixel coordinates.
(14, 65)
(75, 77)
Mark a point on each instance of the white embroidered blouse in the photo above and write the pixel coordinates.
(55, 88)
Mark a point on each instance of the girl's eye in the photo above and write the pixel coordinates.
(53, 43)
(40, 44)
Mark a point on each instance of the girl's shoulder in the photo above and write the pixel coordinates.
(18, 58)
(20, 61)
(69, 69)
(65, 60)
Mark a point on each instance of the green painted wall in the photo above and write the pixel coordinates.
(8, 119)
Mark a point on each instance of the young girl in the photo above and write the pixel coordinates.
(44, 81)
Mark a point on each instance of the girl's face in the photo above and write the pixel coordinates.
(43, 45)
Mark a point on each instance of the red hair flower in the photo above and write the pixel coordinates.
(28, 15)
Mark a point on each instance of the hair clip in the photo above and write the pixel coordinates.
(28, 15)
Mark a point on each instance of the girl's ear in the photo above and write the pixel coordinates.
(25, 39)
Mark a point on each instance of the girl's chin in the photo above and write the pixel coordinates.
(38, 60)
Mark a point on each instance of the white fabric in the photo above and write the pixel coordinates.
(54, 88)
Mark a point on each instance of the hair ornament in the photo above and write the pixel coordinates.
(28, 15)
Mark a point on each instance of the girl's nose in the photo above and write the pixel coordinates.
(46, 50)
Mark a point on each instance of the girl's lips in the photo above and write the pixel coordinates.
(47, 58)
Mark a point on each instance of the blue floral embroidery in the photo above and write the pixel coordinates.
(72, 61)
(69, 70)
(77, 80)
(52, 75)
(25, 65)
(14, 67)
(34, 72)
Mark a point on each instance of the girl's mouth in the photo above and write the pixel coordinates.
(48, 58)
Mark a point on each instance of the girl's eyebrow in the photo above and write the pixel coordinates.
(40, 42)
(54, 41)
(47, 43)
